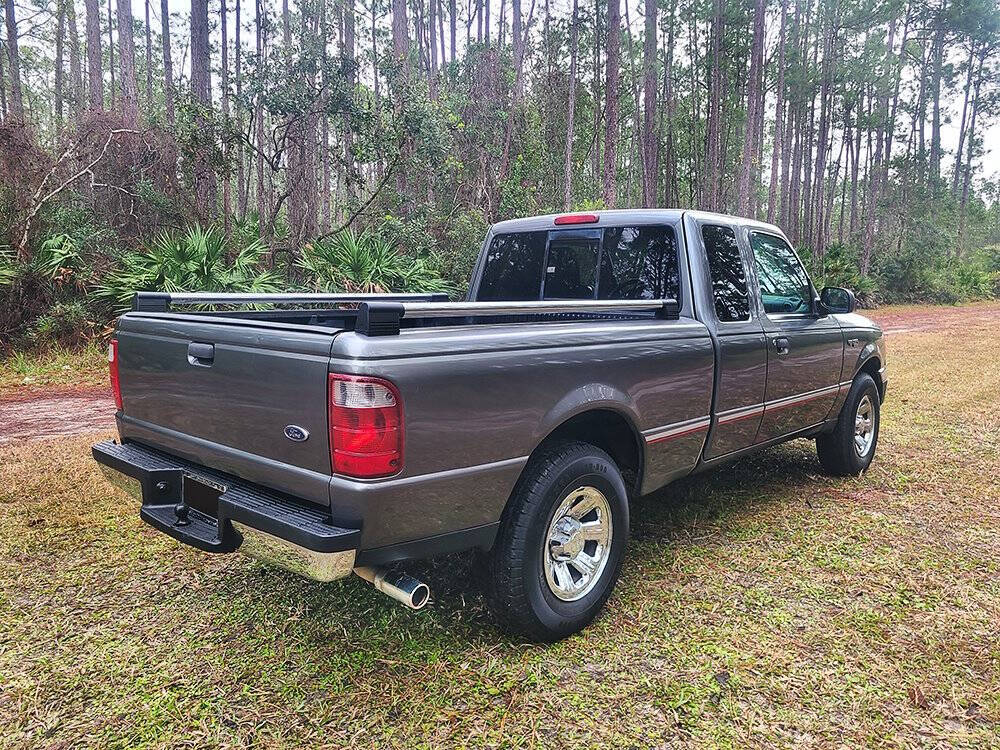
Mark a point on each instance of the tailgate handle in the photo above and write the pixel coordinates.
(201, 354)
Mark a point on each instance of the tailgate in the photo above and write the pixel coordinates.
(234, 383)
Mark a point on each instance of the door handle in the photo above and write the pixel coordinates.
(781, 345)
(201, 355)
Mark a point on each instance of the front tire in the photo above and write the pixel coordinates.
(561, 542)
(850, 448)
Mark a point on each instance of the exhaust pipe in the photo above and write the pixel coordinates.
(400, 586)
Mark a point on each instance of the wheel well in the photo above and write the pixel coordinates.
(613, 434)
(872, 366)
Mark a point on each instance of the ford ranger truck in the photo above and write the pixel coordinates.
(597, 357)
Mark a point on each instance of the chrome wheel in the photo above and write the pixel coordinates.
(864, 426)
(577, 543)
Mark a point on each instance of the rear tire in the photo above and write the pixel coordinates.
(559, 549)
(850, 448)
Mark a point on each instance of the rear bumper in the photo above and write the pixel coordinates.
(280, 529)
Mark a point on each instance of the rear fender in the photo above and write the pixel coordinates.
(589, 397)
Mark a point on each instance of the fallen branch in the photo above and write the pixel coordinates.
(38, 200)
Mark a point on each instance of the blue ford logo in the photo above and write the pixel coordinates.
(296, 434)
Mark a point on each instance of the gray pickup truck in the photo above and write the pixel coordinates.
(597, 358)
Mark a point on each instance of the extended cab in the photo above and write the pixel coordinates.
(598, 357)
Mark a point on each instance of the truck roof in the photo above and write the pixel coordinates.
(623, 216)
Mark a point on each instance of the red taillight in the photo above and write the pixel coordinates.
(577, 219)
(116, 386)
(366, 426)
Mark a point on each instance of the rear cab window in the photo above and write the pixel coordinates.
(623, 262)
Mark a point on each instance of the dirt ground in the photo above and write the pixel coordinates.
(42, 413)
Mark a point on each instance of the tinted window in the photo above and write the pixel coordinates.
(729, 282)
(784, 285)
(513, 268)
(571, 271)
(639, 263)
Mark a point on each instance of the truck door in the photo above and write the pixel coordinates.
(725, 305)
(804, 351)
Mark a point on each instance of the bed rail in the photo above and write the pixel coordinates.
(382, 318)
(163, 301)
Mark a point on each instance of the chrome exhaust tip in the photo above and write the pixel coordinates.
(399, 586)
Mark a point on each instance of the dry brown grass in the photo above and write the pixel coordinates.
(765, 605)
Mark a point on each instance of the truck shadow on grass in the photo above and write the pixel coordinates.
(688, 511)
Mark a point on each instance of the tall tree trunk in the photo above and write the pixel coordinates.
(612, 84)
(650, 147)
(875, 169)
(168, 67)
(126, 60)
(938, 61)
(596, 151)
(111, 56)
(14, 62)
(258, 124)
(791, 118)
(432, 32)
(961, 127)
(574, 47)
(3, 92)
(242, 189)
(349, 55)
(326, 208)
(400, 32)
(518, 40)
(921, 118)
(805, 227)
(401, 53)
(818, 238)
(848, 141)
(779, 107)
(890, 131)
(755, 102)
(201, 90)
(75, 73)
(967, 173)
(95, 67)
(60, 43)
(853, 225)
(441, 35)
(671, 191)
(452, 27)
(226, 173)
(149, 64)
(714, 134)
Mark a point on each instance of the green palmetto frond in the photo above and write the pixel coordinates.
(192, 261)
(364, 262)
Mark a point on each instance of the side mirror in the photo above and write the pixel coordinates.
(834, 299)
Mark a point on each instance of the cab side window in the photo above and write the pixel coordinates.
(729, 281)
(784, 284)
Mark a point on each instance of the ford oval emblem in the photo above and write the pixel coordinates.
(296, 434)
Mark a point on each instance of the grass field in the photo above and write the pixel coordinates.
(765, 605)
(59, 367)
